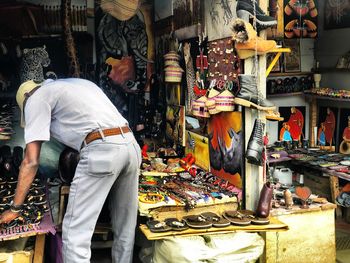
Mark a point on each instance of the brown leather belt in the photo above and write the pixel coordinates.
(106, 132)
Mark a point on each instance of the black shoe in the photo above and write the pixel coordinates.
(245, 10)
(256, 144)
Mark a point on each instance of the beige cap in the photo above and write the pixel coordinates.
(23, 92)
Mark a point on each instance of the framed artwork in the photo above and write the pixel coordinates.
(293, 128)
(344, 131)
(300, 18)
(218, 18)
(336, 13)
(327, 117)
(226, 144)
(292, 59)
(198, 145)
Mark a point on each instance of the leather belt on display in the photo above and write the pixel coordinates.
(106, 132)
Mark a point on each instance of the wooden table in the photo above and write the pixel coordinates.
(333, 180)
(310, 238)
(38, 247)
(45, 226)
(275, 225)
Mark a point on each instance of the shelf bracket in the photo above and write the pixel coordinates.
(278, 52)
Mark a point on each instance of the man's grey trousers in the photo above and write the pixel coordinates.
(106, 166)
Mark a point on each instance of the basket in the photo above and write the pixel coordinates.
(211, 102)
(173, 74)
(225, 101)
(171, 59)
(199, 108)
(120, 9)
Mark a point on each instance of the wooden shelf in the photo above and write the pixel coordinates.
(286, 74)
(332, 70)
(284, 94)
(310, 95)
(275, 225)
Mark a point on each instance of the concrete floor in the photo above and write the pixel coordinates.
(104, 256)
(342, 235)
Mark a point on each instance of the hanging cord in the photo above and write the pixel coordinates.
(265, 161)
(255, 69)
(301, 26)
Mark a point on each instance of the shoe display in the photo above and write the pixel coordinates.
(250, 96)
(35, 204)
(256, 145)
(247, 42)
(245, 10)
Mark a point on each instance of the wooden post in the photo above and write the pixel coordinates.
(313, 122)
(253, 173)
(64, 192)
(39, 248)
(334, 184)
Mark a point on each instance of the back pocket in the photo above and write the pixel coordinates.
(101, 160)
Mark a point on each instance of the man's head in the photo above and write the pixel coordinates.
(23, 93)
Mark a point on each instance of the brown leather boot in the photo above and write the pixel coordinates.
(264, 205)
(247, 43)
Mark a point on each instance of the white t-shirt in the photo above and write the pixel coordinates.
(68, 109)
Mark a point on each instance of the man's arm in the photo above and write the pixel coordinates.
(27, 173)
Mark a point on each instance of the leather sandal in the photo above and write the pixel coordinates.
(197, 221)
(176, 224)
(216, 220)
(156, 226)
(237, 218)
(260, 221)
(255, 220)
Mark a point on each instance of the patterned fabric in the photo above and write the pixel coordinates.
(190, 77)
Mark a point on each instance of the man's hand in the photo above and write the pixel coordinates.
(8, 216)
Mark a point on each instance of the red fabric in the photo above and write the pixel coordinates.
(346, 133)
(296, 124)
(329, 124)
